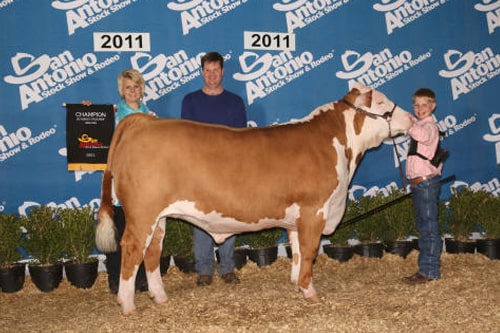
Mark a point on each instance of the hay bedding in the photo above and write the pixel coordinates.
(361, 295)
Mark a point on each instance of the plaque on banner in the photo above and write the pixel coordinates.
(89, 130)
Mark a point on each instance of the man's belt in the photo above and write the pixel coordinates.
(415, 181)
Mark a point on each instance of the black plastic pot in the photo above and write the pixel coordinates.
(263, 256)
(399, 247)
(414, 241)
(164, 264)
(370, 250)
(340, 253)
(458, 246)
(12, 278)
(239, 257)
(288, 250)
(81, 275)
(46, 277)
(185, 264)
(489, 247)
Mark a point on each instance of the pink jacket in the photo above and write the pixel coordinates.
(426, 133)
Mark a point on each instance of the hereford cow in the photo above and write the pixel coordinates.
(227, 181)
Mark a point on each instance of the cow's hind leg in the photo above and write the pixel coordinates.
(131, 259)
(152, 264)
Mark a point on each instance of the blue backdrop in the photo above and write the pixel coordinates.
(284, 57)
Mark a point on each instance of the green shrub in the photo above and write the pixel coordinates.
(466, 212)
(178, 240)
(11, 235)
(79, 233)
(371, 228)
(399, 217)
(45, 235)
(490, 221)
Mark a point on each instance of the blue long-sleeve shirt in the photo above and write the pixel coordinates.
(226, 108)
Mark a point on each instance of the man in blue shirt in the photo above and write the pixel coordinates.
(215, 105)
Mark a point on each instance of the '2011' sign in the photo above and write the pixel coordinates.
(254, 40)
(118, 41)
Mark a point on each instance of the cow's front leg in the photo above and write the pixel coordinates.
(294, 245)
(156, 288)
(305, 280)
(309, 238)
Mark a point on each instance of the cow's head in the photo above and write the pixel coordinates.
(377, 114)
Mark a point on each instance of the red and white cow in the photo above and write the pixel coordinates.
(229, 181)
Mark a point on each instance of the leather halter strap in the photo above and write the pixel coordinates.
(387, 115)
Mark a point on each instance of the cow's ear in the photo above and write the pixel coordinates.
(360, 86)
(352, 95)
(365, 99)
(369, 98)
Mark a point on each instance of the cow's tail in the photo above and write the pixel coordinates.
(105, 232)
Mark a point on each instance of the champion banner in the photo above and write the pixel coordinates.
(88, 135)
(283, 57)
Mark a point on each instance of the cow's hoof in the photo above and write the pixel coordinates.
(310, 293)
(127, 310)
(131, 312)
(160, 299)
(313, 298)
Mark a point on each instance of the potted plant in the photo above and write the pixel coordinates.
(489, 245)
(263, 245)
(399, 219)
(79, 236)
(339, 247)
(45, 243)
(12, 273)
(178, 242)
(463, 218)
(369, 231)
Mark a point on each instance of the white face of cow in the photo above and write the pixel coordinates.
(377, 107)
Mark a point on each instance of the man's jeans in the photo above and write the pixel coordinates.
(425, 201)
(204, 254)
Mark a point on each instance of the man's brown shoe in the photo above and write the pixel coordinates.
(230, 278)
(416, 278)
(204, 280)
